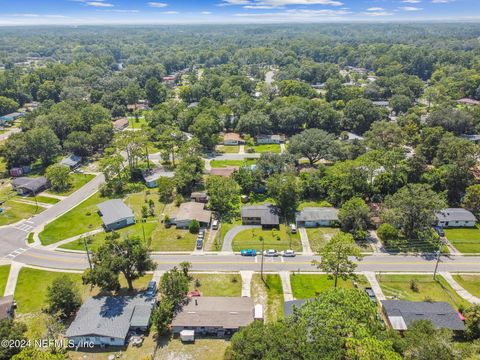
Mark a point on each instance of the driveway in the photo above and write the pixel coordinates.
(229, 236)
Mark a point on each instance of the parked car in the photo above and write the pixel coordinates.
(248, 252)
(288, 253)
(201, 234)
(270, 252)
(151, 289)
(293, 228)
(215, 224)
(371, 294)
(199, 244)
(439, 230)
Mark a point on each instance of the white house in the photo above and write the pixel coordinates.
(317, 216)
(455, 217)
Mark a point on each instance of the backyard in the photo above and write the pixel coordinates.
(269, 294)
(471, 283)
(465, 240)
(4, 270)
(273, 239)
(425, 289)
(217, 284)
(309, 286)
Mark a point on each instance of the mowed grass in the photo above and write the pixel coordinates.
(269, 293)
(471, 283)
(309, 286)
(77, 181)
(319, 237)
(273, 239)
(265, 148)
(172, 239)
(233, 149)
(32, 288)
(217, 284)
(14, 211)
(47, 200)
(227, 163)
(95, 241)
(137, 123)
(4, 271)
(465, 240)
(398, 287)
(79, 220)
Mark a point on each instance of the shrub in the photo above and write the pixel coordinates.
(194, 227)
(387, 232)
(197, 283)
(414, 285)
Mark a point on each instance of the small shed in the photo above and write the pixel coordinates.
(72, 161)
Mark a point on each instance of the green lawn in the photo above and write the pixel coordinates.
(308, 286)
(78, 180)
(312, 203)
(4, 270)
(79, 220)
(269, 294)
(465, 240)
(319, 237)
(47, 200)
(172, 239)
(32, 284)
(274, 239)
(398, 287)
(138, 200)
(139, 123)
(471, 283)
(265, 148)
(14, 211)
(224, 229)
(217, 284)
(231, 149)
(227, 163)
(97, 240)
(403, 245)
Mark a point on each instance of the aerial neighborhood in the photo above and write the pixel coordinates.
(280, 191)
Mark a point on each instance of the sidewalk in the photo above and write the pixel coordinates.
(241, 149)
(286, 285)
(306, 250)
(459, 289)
(246, 283)
(15, 268)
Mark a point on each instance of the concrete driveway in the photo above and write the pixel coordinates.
(229, 236)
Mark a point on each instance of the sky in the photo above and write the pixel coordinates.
(85, 12)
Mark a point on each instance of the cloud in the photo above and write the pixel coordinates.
(45, 16)
(120, 11)
(206, 13)
(98, 4)
(441, 1)
(267, 4)
(297, 14)
(410, 8)
(375, 9)
(412, 1)
(377, 13)
(170, 12)
(157, 4)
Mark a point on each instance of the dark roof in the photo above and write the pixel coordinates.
(30, 184)
(114, 210)
(226, 312)
(288, 306)
(455, 214)
(6, 303)
(267, 213)
(111, 316)
(402, 313)
(317, 214)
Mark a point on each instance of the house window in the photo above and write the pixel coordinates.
(112, 339)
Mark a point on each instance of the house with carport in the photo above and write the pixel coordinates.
(455, 217)
(317, 216)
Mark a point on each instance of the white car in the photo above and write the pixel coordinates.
(293, 228)
(270, 252)
(288, 253)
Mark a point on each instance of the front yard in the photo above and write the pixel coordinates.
(227, 163)
(465, 240)
(401, 287)
(233, 149)
(172, 239)
(471, 283)
(319, 237)
(4, 271)
(273, 239)
(269, 294)
(14, 210)
(264, 148)
(78, 180)
(309, 286)
(217, 284)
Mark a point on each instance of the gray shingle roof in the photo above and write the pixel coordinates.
(71, 160)
(455, 214)
(226, 312)
(266, 212)
(317, 214)
(111, 316)
(114, 210)
(288, 306)
(31, 184)
(441, 314)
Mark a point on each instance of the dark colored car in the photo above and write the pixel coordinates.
(439, 230)
(199, 244)
(371, 294)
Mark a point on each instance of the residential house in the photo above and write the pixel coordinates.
(29, 185)
(232, 139)
(217, 316)
(120, 124)
(7, 307)
(381, 103)
(349, 136)
(317, 216)
(199, 196)
(31, 106)
(151, 176)
(115, 214)
(225, 172)
(401, 313)
(468, 101)
(10, 118)
(265, 215)
(72, 161)
(289, 306)
(473, 138)
(189, 211)
(455, 217)
(19, 171)
(107, 320)
(270, 139)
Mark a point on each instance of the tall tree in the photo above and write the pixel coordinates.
(223, 195)
(63, 297)
(354, 216)
(285, 190)
(314, 144)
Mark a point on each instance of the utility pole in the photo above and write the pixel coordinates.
(143, 229)
(263, 249)
(88, 253)
(439, 252)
